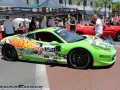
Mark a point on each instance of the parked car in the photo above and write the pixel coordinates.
(86, 28)
(56, 45)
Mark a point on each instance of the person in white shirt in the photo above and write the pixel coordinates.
(43, 22)
(51, 22)
(98, 27)
(8, 27)
(37, 23)
(60, 23)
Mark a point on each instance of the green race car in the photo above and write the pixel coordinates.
(57, 45)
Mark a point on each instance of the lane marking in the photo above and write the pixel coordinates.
(41, 76)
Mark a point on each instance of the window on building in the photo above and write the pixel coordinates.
(91, 3)
(36, 1)
(84, 2)
(70, 2)
(61, 1)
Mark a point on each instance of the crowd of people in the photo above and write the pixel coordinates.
(43, 22)
(112, 20)
(7, 28)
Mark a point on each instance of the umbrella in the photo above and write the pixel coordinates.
(17, 8)
(18, 20)
(27, 20)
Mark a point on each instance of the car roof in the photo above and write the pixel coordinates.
(51, 29)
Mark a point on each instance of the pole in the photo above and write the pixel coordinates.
(65, 2)
(118, 10)
(105, 13)
(109, 10)
(84, 8)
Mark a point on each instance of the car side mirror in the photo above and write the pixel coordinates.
(55, 43)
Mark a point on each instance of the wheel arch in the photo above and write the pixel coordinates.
(117, 33)
(13, 48)
(10, 45)
(84, 49)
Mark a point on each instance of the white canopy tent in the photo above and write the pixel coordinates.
(17, 21)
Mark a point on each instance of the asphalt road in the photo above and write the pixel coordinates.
(33, 74)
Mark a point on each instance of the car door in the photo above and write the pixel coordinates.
(108, 30)
(86, 29)
(91, 30)
(52, 53)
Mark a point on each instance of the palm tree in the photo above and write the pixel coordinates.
(105, 3)
(116, 6)
(97, 7)
(78, 3)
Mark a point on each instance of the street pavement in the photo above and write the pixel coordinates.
(59, 77)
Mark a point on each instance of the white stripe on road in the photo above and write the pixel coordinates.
(41, 77)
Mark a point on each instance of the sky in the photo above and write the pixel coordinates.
(114, 0)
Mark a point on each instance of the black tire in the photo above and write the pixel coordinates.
(118, 36)
(9, 53)
(79, 58)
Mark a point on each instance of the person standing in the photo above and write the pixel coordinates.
(37, 23)
(1, 30)
(51, 22)
(8, 27)
(93, 20)
(43, 22)
(32, 25)
(72, 24)
(60, 24)
(98, 26)
(111, 20)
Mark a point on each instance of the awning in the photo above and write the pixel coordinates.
(89, 12)
(81, 12)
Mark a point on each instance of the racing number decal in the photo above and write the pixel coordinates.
(49, 50)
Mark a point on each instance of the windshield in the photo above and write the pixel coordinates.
(69, 36)
(109, 39)
(86, 22)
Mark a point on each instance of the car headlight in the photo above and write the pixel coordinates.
(101, 45)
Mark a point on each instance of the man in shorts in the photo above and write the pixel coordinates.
(98, 27)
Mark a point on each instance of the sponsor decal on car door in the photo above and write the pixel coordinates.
(25, 47)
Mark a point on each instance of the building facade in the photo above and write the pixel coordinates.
(73, 3)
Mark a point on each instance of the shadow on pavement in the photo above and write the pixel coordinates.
(62, 65)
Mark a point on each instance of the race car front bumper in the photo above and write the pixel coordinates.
(105, 62)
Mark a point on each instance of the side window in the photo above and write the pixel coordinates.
(47, 37)
(31, 36)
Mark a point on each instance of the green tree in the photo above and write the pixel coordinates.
(105, 3)
(115, 6)
(78, 1)
(100, 4)
(97, 7)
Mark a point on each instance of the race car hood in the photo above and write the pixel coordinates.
(107, 44)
